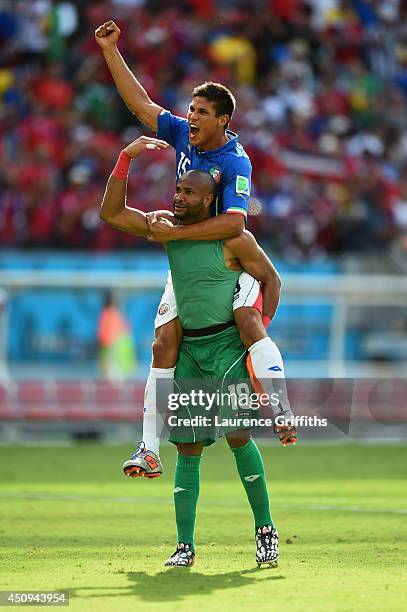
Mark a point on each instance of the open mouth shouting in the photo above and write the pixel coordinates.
(193, 131)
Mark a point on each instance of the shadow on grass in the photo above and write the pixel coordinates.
(176, 584)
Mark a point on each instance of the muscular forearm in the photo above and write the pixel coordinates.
(271, 297)
(132, 92)
(115, 212)
(114, 209)
(222, 227)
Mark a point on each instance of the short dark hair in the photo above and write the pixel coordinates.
(222, 98)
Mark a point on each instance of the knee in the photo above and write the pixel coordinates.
(189, 449)
(236, 439)
(250, 325)
(166, 346)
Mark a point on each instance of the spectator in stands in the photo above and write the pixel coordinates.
(322, 112)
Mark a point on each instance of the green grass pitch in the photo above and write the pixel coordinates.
(71, 520)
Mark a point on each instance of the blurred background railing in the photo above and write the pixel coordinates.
(328, 323)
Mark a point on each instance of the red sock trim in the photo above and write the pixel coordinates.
(257, 386)
(258, 304)
(121, 169)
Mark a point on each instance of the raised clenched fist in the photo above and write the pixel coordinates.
(107, 35)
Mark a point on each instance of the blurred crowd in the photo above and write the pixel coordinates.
(321, 88)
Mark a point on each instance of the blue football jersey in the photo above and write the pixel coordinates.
(229, 165)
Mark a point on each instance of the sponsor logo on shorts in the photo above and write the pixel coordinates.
(275, 368)
(164, 308)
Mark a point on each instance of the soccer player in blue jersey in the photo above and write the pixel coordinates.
(202, 142)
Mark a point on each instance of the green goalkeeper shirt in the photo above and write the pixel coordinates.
(203, 285)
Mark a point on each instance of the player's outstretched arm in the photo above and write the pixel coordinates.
(114, 209)
(255, 262)
(132, 92)
(222, 227)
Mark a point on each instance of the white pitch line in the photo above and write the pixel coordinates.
(137, 500)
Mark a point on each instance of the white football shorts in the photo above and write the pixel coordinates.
(247, 293)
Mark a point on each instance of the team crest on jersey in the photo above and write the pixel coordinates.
(164, 308)
(215, 174)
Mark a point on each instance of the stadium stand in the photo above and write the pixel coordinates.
(321, 90)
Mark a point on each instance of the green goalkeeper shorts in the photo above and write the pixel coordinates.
(212, 381)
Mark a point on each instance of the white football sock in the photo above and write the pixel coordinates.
(268, 369)
(150, 437)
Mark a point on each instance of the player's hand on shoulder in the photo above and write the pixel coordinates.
(107, 34)
(142, 143)
(161, 230)
(159, 215)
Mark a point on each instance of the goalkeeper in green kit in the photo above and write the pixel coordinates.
(204, 276)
